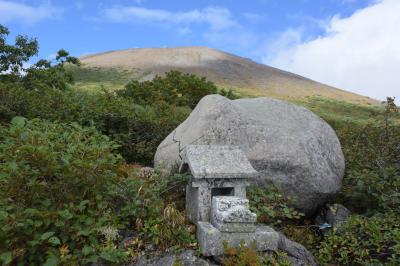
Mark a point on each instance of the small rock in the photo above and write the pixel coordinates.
(336, 214)
(298, 254)
(189, 258)
(146, 172)
(166, 260)
(127, 242)
(331, 216)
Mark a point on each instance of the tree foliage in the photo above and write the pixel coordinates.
(175, 88)
(43, 74)
(49, 74)
(13, 56)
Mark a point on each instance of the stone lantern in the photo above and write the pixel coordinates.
(216, 199)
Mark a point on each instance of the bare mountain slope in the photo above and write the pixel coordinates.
(222, 68)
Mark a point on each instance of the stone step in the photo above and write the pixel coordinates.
(211, 240)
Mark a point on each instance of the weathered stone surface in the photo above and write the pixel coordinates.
(146, 172)
(332, 216)
(298, 254)
(166, 260)
(287, 144)
(232, 214)
(337, 214)
(211, 240)
(216, 161)
(189, 258)
(198, 199)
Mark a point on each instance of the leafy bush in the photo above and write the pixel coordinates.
(55, 182)
(66, 197)
(137, 129)
(363, 240)
(175, 88)
(159, 202)
(271, 206)
(230, 94)
(371, 188)
(274, 209)
(372, 153)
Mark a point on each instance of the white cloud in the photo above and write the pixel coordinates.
(217, 18)
(12, 11)
(216, 25)
(360, 53)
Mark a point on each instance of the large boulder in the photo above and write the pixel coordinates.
(289, 145)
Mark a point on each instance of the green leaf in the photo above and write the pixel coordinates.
(51, 261)
(87, 250)
(108, 256)
(46, 235)
(93, 258)
(84, 232)
(3, 215)
(34, 243)
(54, 240)
(6, 258)
(65, 214)
(18, 121)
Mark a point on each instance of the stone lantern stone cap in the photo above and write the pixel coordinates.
(217, 162)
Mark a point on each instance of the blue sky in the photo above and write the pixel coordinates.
(345, 43)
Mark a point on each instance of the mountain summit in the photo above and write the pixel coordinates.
(224, 69)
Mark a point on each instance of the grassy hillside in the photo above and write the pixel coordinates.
(224, 69)
(97, 79)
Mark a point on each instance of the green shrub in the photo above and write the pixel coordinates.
(55, 180)
(66, 197)
(372, 153)
(271, 206)
(137, 129)
(230, 94)
(370, 187)
(175, 88)
(159, 202)
(274, 209)
(364, 241)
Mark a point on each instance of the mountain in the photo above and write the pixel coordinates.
(224, 69)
